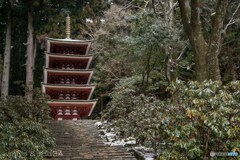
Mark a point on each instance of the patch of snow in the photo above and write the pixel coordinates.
(147, 153)
(110, 134)
(131, 142)
(118, 143)
(88, 20)
(212, 14)
(112, 138)
(98, 124)
(105, 122)
(148, 158)
(102, 20)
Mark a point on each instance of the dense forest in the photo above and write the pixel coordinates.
(167, 72)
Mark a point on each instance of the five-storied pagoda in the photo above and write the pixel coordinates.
(67, 77)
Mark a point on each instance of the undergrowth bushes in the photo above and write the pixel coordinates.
(204, 117)
(23, 131)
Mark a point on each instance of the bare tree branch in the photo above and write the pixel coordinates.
(183, 50)
(218, 17)
(174, 5)
(232, 19)
(109, 71)
(146, 4)
(131, 5)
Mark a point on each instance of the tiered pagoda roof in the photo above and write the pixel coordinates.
(67, 78)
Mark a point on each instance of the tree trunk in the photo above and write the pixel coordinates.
(30, 58)
(171, 70)
(7, 55)
(192, 26)
(206, 55)
(216, 41)
(1, 82)
(200, 54)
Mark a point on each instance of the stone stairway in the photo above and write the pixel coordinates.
(79, 140)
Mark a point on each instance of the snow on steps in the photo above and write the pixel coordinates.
(80, 140)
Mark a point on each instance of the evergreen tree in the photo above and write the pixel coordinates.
(30, 54)
(7, 52)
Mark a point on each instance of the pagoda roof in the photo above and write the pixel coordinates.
(81, 72)
(70, 101)
(70, 40)
(75, 87)
(68, 70)
(68, 55)
(69, 85)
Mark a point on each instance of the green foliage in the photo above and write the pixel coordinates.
(120, 104)
(149, 40)
(138, 50)
(154, 33)
(135, 114)
(230, 55)
(131, 67)
(53, 22)
(23, 131)
(47, 22)
(17, 108)
(117, 67)
(205, 118)
(25, 139)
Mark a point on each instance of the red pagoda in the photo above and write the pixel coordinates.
(67, 77)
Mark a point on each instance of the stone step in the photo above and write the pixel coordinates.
(80, 140)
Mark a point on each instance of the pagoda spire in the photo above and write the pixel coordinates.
(68, 22)
(68, 27)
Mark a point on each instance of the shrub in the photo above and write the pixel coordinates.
(23, 132)
(204, 119)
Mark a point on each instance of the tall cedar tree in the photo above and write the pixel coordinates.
(7, 53)
(30, 55)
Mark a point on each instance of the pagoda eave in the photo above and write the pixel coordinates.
(68, 70)
(69, 40)
(60, 86)
(87, 89)
(89, 104)
(84, 60)
(68, 55)
(87, 73)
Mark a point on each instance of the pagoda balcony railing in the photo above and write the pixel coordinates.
(68, 50)
(67, 80)
(68, 66)
(68, 95)
(66, 113)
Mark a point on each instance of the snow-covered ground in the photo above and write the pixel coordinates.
(111, 138)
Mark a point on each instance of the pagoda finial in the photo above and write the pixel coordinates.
(68, 26)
